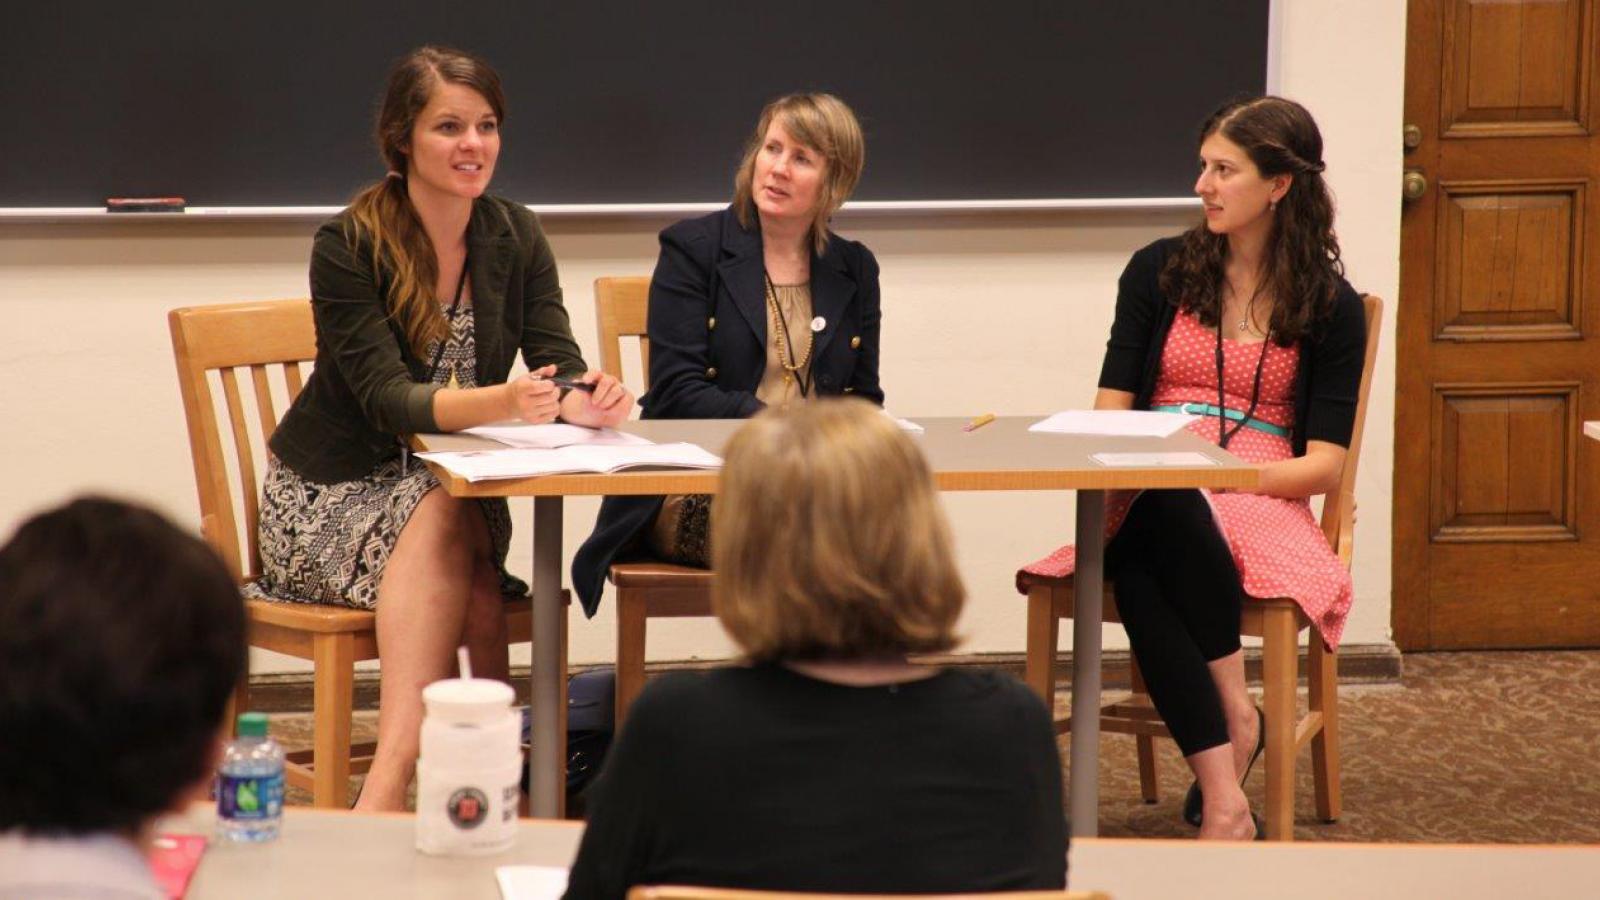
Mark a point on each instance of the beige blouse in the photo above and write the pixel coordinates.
(777, 388)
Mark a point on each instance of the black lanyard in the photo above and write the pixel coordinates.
(450, 317)
(1223, 434)
(783, 329)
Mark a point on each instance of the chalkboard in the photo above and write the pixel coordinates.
(270, 103)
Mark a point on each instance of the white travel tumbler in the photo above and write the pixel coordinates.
(468, 775)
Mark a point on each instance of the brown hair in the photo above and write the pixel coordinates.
(825, 124)
(1301, 268)
(828, 539)
(383, 211)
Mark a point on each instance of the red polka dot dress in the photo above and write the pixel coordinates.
(1277, 544)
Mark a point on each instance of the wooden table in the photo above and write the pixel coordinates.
(1001, 456)
(332, 853)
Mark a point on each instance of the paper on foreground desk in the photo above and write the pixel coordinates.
(337, 854)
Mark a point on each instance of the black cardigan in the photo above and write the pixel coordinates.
(369, 385)
(708, 350)
(1326, 384)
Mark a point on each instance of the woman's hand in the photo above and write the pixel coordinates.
(533, 398)
(608, 404)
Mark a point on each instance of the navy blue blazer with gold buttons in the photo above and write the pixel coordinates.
(708, 350)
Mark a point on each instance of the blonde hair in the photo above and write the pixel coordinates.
(383, 211)
(828, 539)
(825, 124)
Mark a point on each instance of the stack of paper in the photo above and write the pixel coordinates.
(906, 425)
(553, 435)
(531, 882)
(1114, 423)
(487, 465)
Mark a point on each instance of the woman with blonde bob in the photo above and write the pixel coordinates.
(829, 761)
(757, 305)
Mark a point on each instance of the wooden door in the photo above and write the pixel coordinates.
(1496, 490)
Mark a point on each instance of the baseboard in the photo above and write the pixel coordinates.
(1358, 664)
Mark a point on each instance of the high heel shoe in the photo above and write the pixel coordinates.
(1193, 800)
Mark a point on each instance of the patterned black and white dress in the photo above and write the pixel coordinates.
(329, 543)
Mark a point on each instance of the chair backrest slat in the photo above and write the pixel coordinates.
(261, 337)
(621, 306)
(291, 377)
(245, 457)
(1338, 507)
(266, 417)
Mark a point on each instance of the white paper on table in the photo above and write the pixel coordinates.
(1114, 422)
(906, 425)
(531, 882)
(1153, 460)
(552, 435)
(512, 462)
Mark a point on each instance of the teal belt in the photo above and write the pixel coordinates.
(1206, 409)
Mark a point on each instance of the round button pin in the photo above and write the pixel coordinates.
(819, 323)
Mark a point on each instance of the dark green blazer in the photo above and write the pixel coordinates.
(368, 386)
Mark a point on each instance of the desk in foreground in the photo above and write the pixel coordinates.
(329, 853)
(332, 853)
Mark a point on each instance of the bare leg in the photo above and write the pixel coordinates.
(1244, 729)
(1226, 812)
(422, 608)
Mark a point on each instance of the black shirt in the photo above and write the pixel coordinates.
(1326, 384)
(764, 778)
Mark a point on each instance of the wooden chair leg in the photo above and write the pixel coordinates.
(1043, 629)
(630, 650)
(1149, 785)
(1323, 681)
(333, 697)
(1279, 661)
(238, 702)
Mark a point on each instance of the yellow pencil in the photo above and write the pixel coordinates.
(979, 422)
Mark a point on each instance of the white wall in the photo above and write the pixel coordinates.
(1003, 313)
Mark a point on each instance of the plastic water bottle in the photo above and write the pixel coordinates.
(250, 784)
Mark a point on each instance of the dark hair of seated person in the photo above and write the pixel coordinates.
(121, 638)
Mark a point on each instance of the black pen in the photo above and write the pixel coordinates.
(571, 384)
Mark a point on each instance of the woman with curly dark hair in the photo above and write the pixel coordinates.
(1246, 321)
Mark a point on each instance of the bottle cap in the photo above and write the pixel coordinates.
(252, 724)
(467, 699)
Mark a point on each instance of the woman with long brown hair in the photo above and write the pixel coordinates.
(424, 291)
(1246, 321)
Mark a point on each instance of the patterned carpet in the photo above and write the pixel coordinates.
(1471, 747)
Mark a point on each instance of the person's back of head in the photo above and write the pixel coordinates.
(121, 639)
(828, 539)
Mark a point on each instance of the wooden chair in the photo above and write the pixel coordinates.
(260, 338)
(1277, 622)
(676, 892)
(645, 589)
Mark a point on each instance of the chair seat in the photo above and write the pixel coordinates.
(309, 617)
(320, 619)
(653, 574)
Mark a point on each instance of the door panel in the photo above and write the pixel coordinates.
(1496, 493)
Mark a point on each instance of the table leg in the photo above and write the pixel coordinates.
(1088, 589)
(546, 772)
